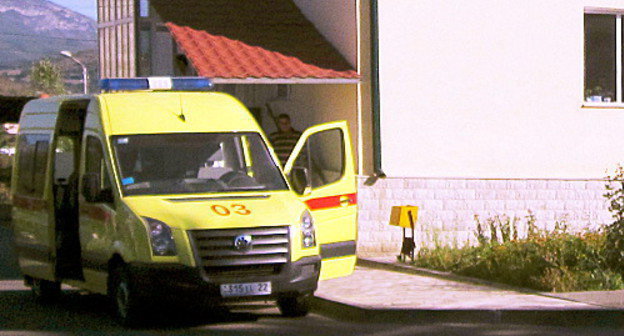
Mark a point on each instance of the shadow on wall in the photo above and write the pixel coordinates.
(279, 26)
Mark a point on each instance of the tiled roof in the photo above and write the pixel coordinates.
(251, 39)
(222, 57)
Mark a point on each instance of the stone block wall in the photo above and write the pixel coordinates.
(447, 208)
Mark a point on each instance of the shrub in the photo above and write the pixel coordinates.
(516, 252)
(614, 249)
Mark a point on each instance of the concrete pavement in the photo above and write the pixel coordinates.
(385, 289)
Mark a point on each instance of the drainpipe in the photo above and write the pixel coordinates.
(375, 94)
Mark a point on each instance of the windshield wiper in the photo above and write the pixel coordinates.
(250, 188)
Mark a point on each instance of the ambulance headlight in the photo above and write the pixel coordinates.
(308, 235)
(161, 238)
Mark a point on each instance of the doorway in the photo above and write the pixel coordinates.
(67, 149)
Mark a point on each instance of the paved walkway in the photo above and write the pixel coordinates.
(383, 289)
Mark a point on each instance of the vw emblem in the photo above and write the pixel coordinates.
(243, 242)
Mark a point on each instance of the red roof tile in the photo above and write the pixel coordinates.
(251, 39)
(221, 57)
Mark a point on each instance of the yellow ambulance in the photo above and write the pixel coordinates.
(158, 186)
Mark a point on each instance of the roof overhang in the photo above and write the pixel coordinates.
(221, 57)
(285, 80)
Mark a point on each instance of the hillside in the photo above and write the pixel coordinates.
(32, 29)
(15, 81)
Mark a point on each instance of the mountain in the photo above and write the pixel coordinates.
(32, 29)
(15, 81)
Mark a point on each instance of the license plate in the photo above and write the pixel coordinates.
(246, 289)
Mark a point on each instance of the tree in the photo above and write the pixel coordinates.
(46, 77)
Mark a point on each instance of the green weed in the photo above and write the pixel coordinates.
(515, 251)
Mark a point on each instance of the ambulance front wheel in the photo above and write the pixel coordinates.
(125, 302)
(295, 305)
(46, 291)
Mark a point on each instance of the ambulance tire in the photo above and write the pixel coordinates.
(125, 303)
(295, 305)
(46, 291)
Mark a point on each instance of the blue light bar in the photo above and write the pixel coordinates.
(156, 83)
(192, 84)
(124, 84)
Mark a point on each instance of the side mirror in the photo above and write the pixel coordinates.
(300, 180)
(92, 192)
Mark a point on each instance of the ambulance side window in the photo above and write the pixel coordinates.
(33, 161)
(323, 155)
(95, 163)
(41, 163)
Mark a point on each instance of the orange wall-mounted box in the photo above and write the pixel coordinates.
(400, 216)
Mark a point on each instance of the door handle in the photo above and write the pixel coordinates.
(345, 201)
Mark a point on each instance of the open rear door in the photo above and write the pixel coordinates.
(325, 152)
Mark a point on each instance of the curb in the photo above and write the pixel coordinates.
(577, 317)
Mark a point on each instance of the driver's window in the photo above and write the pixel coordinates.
(323, 156)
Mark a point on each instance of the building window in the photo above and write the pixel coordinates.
(603, 58)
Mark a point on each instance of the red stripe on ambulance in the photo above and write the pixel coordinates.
(330, 201)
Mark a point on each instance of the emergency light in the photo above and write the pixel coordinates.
(156, 83)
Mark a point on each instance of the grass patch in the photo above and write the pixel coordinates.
(515, 252)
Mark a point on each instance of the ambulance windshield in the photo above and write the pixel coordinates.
(188, 163)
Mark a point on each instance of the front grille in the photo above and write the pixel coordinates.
(218, 256)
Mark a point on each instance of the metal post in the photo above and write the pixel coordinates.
(85, 73)
(85, 79)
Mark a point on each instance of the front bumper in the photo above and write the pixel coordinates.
(151, 280)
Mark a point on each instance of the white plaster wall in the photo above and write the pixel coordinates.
(491, 89)
(336, 20)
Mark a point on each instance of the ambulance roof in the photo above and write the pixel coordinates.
(147, 112)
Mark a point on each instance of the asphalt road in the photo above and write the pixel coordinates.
(86, 314)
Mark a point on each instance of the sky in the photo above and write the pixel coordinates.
(86, 7)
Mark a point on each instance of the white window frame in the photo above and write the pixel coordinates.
(619, 64)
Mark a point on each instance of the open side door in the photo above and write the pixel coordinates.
(324, 158)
